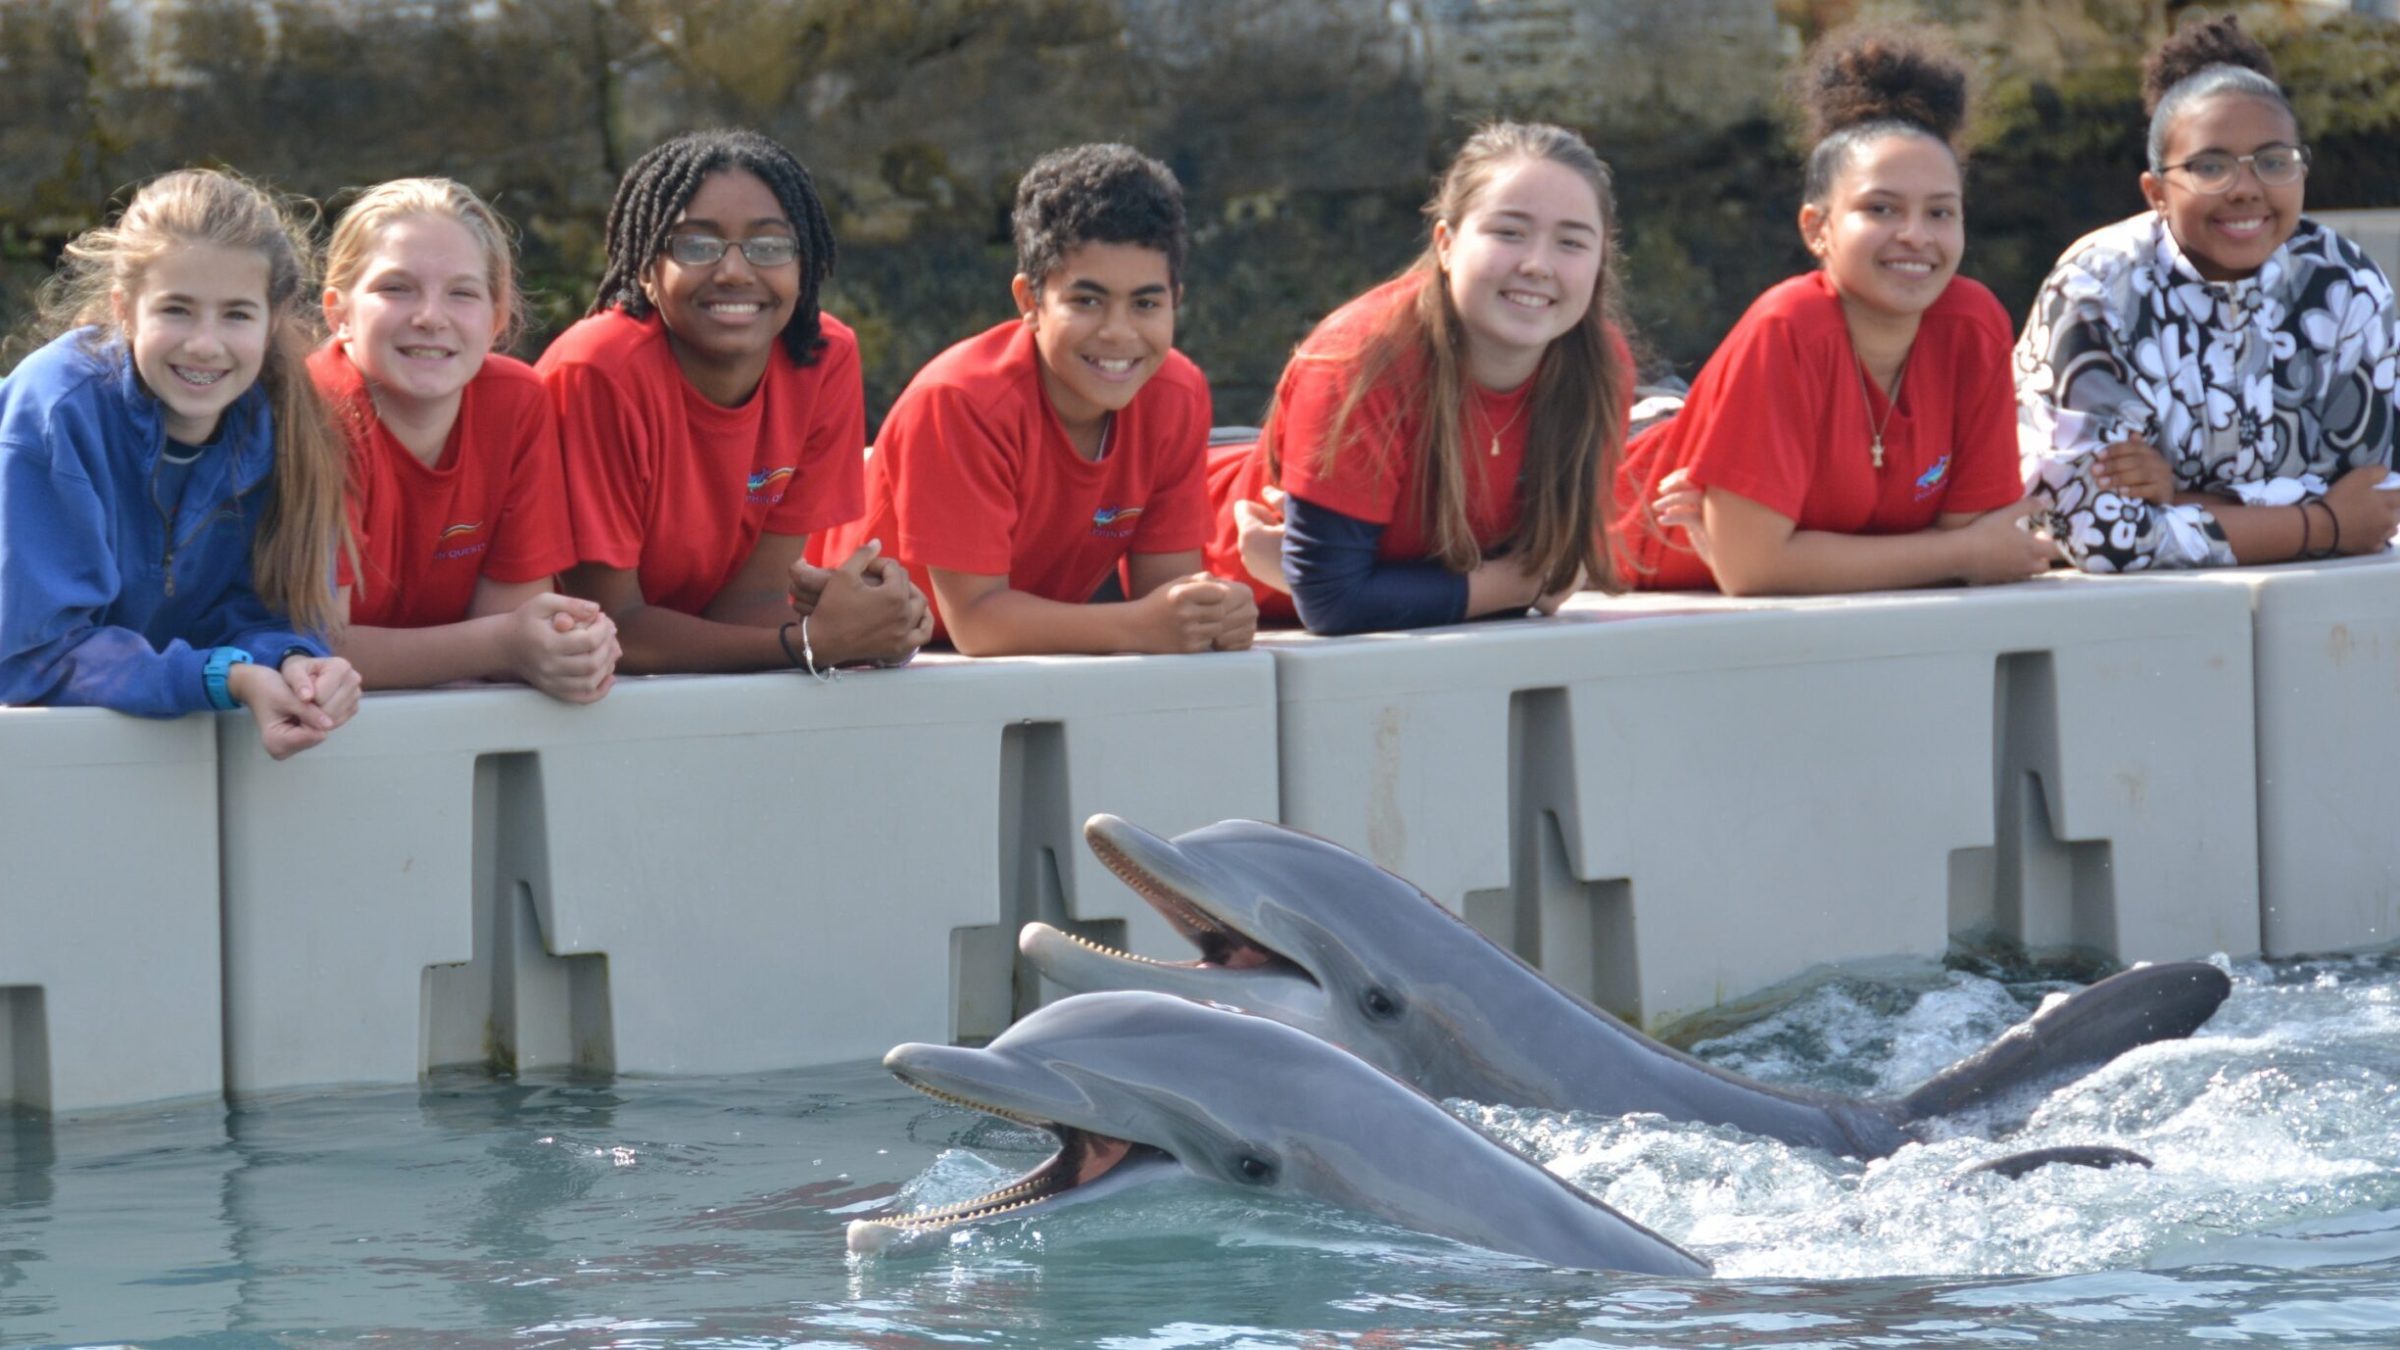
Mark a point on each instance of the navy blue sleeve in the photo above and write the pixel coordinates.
(1339, 587)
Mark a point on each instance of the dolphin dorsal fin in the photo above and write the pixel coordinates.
(2074, 1036)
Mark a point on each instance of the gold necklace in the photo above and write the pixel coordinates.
(1890, 404)
(1502, 429)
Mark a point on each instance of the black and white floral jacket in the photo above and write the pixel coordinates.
(2263, 390)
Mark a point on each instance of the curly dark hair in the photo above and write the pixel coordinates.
(1861, 83)
(1105, 194)
(2200, 62)
(655, 191)
(2218, 42)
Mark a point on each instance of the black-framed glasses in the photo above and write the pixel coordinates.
(759, 250)
(2213, 171)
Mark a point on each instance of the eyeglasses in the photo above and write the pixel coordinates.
(2214, 171)
(759, 250)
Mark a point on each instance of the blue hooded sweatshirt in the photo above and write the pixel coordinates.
(103, 600)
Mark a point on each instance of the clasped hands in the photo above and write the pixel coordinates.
(864, 609)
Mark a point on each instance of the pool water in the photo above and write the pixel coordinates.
(710, 1212)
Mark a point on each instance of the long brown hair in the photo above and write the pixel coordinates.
(292, 553)
(1575, 427)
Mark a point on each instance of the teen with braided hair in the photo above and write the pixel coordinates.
(1853, 431)
(713, 418)
(2211, 382)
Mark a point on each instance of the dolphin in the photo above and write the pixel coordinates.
(1141, 1086)
(1294, 928)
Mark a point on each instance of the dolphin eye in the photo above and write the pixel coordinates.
(1254, 1168)
(1378, 1004)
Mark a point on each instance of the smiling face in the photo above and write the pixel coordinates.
(1521, 265)
(724, 318)
(1891, 229)
(198, 329)
(1103, 321)
(419, 320)
(2228, 235)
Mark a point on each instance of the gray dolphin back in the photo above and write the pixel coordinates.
(2073, 1037)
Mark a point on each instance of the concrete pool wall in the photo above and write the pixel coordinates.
(1666, 802)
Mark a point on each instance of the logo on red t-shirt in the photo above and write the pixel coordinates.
(1930, 481)
(764, 479)
(444, 550)
(1114, 522)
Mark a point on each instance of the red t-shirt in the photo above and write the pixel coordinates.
(662, 480)
(1778, 416)
(1374, 476)
(494, 505)
(972, 472)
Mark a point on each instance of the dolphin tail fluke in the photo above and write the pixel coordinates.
(2073, 1037)
(2100, 1156)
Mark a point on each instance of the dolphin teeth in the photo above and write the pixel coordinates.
(1032, 1188)
(953, 1099)
(1000, 1201)
(1168, 902)
(934, 1220)
(1116, 952)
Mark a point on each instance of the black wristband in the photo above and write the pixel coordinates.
(783, 639)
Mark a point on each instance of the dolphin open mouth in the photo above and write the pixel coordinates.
(1084, 1158)
(1220, 943)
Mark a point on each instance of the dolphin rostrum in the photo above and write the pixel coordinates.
(1294, 928)
(1141, 1086)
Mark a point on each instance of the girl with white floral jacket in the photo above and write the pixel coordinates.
(2212, 382)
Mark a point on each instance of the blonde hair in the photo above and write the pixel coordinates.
(292, 552)
(1575, 419)
(385, 204)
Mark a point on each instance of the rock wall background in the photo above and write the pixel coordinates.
(1306, 131)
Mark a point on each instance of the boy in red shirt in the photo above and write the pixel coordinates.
(1022, 467)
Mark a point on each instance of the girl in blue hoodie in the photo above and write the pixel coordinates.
(170, 488)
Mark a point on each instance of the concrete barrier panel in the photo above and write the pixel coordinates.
(1669, 801)
(705, 875)
(2375, 230)
(2327, 654)
(109, 976)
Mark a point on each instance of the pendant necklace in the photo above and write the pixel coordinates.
(1502, 429)
(1890, 404)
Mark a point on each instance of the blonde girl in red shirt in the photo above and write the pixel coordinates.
(1855, 431)
(456, 499)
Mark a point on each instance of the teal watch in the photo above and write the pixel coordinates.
(221, 661)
